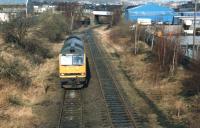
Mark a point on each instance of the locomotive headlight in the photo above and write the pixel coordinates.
(62, 74)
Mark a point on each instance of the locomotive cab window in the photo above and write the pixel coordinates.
(72, 60)
(78, 60)
(66, 60)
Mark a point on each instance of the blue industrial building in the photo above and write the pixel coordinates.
(155, 12)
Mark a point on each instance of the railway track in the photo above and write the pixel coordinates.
(120, 115)
(71, 115)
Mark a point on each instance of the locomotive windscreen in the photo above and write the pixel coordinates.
(72, 60)
(66, 60)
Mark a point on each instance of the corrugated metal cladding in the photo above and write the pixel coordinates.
(151, 11)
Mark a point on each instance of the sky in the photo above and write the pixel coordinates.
(12, 1)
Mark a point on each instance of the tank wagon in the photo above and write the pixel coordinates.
(72, 63)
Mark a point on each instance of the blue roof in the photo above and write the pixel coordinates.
(152, 11)
(12, 2)
(150, 7)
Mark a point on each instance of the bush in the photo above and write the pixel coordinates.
(35, 50)
(54, 26)
(191, 85)
(141, 47)
(14, 71)
(14, 100)
(122, 31)
(16, 30)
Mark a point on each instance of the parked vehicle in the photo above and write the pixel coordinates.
(144, 21)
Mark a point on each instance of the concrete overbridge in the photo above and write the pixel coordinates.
(102, 17)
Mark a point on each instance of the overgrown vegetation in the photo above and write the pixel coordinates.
(14, 71)
(192, 84)
(54, 26)
(194, 81)
(122, 31)
(29, 50)
(165, 47)
(73, 12)
(51, 26)
(22, 34)
(35, 50)
(15, 31)
(160, 65)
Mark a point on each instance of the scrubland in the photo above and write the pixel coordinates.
(29, 87)
(161, 99)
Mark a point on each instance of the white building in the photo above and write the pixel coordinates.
(4, 17)
(44, 8)
(12, 9)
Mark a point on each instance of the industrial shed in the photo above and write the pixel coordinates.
(16, 6)
(12, 8)
(155, 12)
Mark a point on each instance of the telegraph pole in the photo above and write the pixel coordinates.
(194, 29)
(136, 36)
(27, 8)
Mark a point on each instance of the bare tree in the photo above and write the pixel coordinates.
(72, 12)
(16, 30)
(167, 50)
(116, 17)
(22, 25)
(54, 29)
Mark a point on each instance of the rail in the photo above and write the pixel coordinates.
(119, 112)
(71, 115)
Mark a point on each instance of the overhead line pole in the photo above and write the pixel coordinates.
(27, 8)
(136, 36)
(194, 29)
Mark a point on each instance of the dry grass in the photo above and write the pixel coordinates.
(36, 105)
(12, 114)
(16, 104)
(162, 102)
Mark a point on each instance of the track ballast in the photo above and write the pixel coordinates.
(120, 116)
(71, 110)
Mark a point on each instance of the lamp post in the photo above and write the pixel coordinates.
(194, 29)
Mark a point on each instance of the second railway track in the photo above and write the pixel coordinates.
(120, 115)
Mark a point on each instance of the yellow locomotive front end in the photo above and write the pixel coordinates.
(72, 64)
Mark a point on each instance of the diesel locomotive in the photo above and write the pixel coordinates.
(72, 63)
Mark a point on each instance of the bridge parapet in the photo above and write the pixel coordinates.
(102, 13)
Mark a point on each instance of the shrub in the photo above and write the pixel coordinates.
(54, 26)
(35, 50)
(14, 100)
(191, 85)
(16, 30)
(122, 31)
(14, 71)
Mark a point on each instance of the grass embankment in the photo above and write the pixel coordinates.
(29, 86)
(160, 101)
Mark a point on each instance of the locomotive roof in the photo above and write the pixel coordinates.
(73, 45)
